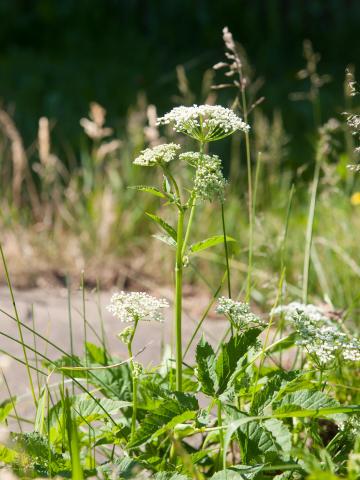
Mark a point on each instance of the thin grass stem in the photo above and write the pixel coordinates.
(27, 365)
(309, 231)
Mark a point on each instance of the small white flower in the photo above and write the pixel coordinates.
(156, 155)
(135, 306)
(238, 312)
(205, 123)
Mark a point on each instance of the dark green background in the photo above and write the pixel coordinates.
(58, 55)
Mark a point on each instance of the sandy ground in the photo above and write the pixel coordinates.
(50, 312)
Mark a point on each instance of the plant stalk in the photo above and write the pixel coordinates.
(178, 299)
(226, 250)
(309, 231)
(222, 456)
(134, 382)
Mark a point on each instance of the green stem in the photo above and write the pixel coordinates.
(188, 227)
(178, 299)
(250, 192)
(251, 223)
(192, 201)
(222, 456)
(8, 281)
(309, 231)
(134, 381)
(134, 410)
(226, 250)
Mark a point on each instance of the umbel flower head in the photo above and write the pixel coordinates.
(205, 123)
(319, 334)
(209, 182)
(134, 306)
(239, 313)
(151, 157)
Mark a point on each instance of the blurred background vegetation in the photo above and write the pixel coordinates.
(64, 199)
(57, 56)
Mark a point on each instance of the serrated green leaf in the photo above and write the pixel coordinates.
(114, 383)
(171, 411)
(165, 239)
(153, 190)
(88, 410)
(240, 472)
(165, 226)
(304, 400)
(231, 353)
(269, 391)
(268, 441)
(209, 242)
(292, 412)
(205, 359)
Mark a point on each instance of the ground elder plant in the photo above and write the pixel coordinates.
(205, 124)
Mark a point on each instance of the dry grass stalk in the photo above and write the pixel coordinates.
(151, 131)
(44, 140)
(18, 154)
(107, 148)
(94, 125)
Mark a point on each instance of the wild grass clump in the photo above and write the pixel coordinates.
(276, 398)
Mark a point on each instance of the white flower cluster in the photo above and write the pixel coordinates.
(209, 182)
(352, 350)
(239, 313)
(319, 334)
(161, 153)
(205, 123)
(192, 158)
(134, 306)
(313, 312)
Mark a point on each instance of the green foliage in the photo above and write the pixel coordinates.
(217, 374)
(165, 226)
(209, 242)
(175, 409)
(5, 408)
(255, 406)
